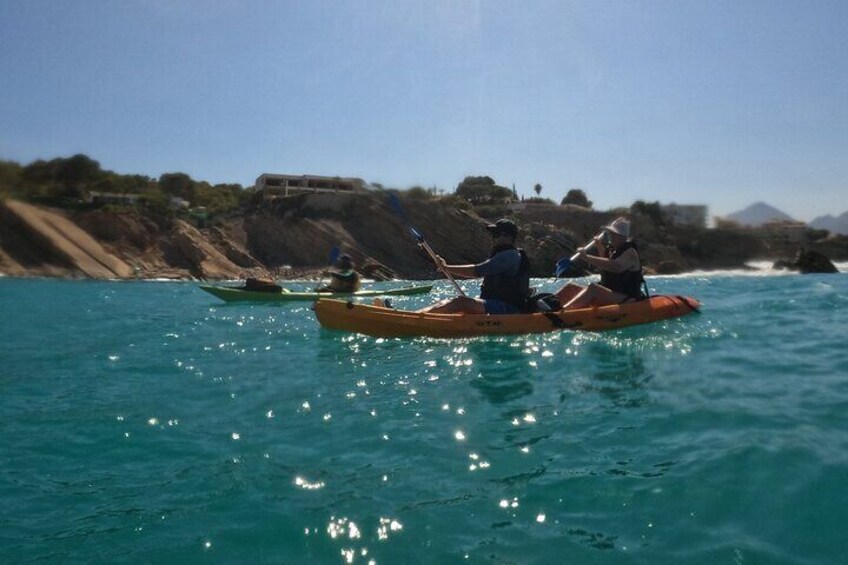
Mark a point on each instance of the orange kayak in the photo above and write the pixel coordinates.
(387, 322)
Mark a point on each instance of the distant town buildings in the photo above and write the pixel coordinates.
(686, 214)
(282, 185)
(781, 231)
(130, 199)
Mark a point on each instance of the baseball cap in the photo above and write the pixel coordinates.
(503, 227)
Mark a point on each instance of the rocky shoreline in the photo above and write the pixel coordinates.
(289, 238)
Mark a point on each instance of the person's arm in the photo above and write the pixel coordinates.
(465, 271)
(629, 261)
(503, 262)
(500, 263)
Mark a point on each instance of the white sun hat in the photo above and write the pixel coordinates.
(621, 226)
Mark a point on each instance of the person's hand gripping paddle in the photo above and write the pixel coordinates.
(394, 201)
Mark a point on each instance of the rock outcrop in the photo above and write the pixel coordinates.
(48, 242)
(807, 262)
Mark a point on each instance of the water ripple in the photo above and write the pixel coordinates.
(152, 424)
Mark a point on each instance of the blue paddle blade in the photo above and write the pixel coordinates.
(562, 266)
(394, 202)
(334, 255)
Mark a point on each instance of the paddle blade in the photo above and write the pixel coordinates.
(334, 255)
(562, 267)
(394, 202)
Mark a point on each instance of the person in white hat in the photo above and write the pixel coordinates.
(621, 270)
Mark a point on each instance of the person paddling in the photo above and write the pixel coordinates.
(506, 277)
(618, 260)
(343, 277)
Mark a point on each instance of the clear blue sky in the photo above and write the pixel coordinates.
(716, 102)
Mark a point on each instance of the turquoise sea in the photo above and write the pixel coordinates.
(149, 422)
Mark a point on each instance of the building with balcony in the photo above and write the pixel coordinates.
(782, 231)
(272, 184)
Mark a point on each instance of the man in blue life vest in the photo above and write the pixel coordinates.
(506, 277)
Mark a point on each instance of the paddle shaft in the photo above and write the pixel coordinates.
(394, 201)
(576, 256)
(563, 265)
(426, 246)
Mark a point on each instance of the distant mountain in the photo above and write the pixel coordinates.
(838, 224)
(758, 214)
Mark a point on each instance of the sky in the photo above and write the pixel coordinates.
(717, 102)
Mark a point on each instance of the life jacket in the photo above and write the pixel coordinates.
(630, 283)
(344, 281)
(512, 289)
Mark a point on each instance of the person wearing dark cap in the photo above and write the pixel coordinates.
(506, 277)
(343, 277)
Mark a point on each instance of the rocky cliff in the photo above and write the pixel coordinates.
(293, 236)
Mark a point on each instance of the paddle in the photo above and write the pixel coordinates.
(334, 256)
(394, 201)
(564, 264)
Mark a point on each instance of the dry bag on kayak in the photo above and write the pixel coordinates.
(261, 285)
(543, 302)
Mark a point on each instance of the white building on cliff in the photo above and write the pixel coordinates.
(283, 185)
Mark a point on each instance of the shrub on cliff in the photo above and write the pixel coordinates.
(418, 193)
(539, 200)
(10, 179)
(457, 202)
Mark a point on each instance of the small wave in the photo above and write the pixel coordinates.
(753, 269)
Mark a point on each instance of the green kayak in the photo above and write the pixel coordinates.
(233, 294)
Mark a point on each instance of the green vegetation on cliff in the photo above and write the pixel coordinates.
(74, 181)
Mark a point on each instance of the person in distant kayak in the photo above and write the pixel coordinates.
(506, 277)
(621, 271)
(343, 277)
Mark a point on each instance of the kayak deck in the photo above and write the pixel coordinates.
(387, 322)
(233, 294)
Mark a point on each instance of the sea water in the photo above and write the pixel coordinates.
(149, 422)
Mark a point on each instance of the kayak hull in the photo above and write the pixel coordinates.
(231, 294)
(386, 322)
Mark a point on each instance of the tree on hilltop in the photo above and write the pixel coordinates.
(479, 190)
(537, 189)
(177, 184)
(63, 177)
(653, 210)
(577, 197)
(74, 172)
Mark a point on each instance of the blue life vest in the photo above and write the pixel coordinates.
(512, 289)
